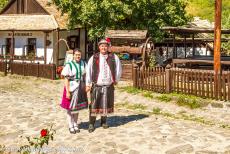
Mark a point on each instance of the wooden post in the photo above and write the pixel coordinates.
(174, 54)
(135, 75)
(58, 46)
(217, 46)
(53, 71)
(12, 47)
(5, 67)
(45, 47)
(193, 46)
(168, 79)
(38, 69)
(167, 51)
(185, 46)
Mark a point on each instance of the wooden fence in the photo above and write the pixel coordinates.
(150, 78)
(126, 70)
(3, 66)
(34, 69)
(187, 81)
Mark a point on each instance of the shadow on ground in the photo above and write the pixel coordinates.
(115, 121)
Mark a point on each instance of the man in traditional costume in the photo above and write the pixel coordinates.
(103, 72)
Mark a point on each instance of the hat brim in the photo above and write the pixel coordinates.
(103, 43)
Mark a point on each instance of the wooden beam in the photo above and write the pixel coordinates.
(45, 46)
(217, 47)
(174, 37)
(58, 46)
(193, 46)
(12, 47)
(197, 61)
(183, 30)
(185, 46)
(126, 49)
(217, 39)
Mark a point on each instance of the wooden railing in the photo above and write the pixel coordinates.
(34, 69)
(188, 81)
(3, 66)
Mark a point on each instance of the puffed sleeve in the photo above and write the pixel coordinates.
(118, 68)
(66, 71)
(89, 72)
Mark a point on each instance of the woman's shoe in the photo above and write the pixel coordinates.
(76, 128)
(72, 130)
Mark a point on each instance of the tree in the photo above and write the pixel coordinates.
(98, 15)
(2, 3)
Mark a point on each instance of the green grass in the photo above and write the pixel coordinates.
(131, 106)
(189, 101)
(148, 94)
(130, 90)
(164, 98)
(181, 115)
(156, 111)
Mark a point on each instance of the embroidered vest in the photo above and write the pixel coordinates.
(96, 69)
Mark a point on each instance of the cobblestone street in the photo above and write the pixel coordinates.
(30, 104)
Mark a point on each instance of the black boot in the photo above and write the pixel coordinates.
(104, 122)
(91, 124)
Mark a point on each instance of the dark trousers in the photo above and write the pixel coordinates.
(92, 119)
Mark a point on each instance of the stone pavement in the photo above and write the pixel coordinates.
(29, 104)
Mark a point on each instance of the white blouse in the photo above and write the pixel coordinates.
(72, 73)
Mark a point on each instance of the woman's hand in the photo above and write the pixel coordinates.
(68, 95)
(87, 89)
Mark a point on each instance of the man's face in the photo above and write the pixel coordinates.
(103, 48)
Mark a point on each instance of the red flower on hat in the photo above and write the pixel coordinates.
(44, 132)
(108, 40)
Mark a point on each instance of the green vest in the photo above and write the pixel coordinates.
(78, 68)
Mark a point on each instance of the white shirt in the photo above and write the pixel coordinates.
(105, 75)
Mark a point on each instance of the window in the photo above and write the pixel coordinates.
(31, 46)
(73, 41)
(6, 48)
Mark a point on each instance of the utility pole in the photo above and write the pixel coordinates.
(217, 46)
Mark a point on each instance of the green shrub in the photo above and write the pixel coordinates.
(191, 102)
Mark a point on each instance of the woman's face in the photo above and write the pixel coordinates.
(77, 56)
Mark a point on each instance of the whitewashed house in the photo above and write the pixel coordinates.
(30, 29)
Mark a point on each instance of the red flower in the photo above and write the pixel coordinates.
(108, 40)
(44, 132)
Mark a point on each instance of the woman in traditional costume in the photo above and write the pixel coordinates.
(74, 95)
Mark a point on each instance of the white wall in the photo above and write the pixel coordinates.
(20, 41)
